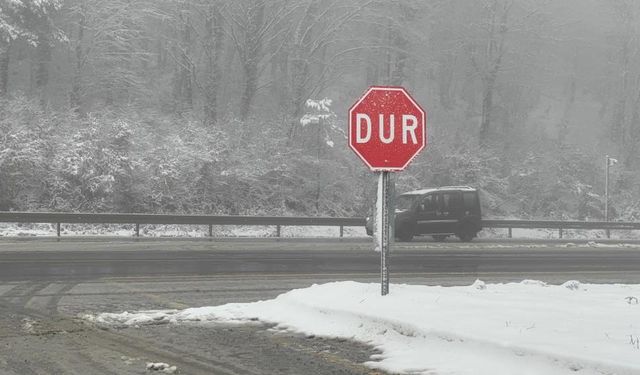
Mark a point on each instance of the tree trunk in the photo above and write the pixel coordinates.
(563, 129)
(5, 50)
(445, 79)
(250, 86)
(495, 50)
(253, 45)
(620, 113)
(398, 69)
(633, 135)
(299, 67)
(42, 69)
(318, 167)
(44, 57)
(76, 87)
(213, 50)
(487, 105)
(280, 82)
(187, 69)
(182, 84)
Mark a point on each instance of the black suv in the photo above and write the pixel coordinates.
(439, 212)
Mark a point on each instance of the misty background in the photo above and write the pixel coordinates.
(240, 107)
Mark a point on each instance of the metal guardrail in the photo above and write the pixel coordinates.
(561, 225)
(59, 218)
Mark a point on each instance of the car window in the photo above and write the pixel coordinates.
(428, 203)
(470, 200)
(444, 202)
(449, 202)
(404, 202)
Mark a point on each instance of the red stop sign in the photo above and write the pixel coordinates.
(387, 128)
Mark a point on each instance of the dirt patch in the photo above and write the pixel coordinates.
(260, 349)
(36, 338)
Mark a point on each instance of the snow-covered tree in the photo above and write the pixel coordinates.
(31, 21)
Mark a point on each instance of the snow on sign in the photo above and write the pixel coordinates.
(387, 128)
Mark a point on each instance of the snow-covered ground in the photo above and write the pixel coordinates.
(493, 329)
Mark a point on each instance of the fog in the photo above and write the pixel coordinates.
(200, 106)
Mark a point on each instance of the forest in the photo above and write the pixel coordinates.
(240, 106)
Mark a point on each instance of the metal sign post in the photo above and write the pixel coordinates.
(384, 226)
(383, 186)
(387, 129)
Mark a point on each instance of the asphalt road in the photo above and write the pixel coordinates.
(45, 286)
(86, 260)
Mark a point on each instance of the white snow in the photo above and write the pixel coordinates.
(542, 233)
(323, 105)
(377, 221)
(498, 329)
(27, 325)
(189, 231)
(162, 367)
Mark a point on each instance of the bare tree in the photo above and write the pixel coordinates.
(250, 26)
(495, 47)
(625, 124)
(213, 43)
(312, 52)
(31, 21)
(105, 44)
(488, 61)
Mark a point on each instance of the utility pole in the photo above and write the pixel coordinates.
(606, 190)
(609, 162)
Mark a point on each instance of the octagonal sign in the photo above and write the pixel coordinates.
(387, 128)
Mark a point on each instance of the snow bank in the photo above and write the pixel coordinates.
(498, 329)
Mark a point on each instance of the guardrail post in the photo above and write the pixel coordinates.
(510, 233)
(277, 230)
(608, 233)
(137, 230)
(560, 233)
(341, 231)
(210, 230)
(58, 228)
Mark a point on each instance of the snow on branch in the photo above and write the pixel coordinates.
(319, 110)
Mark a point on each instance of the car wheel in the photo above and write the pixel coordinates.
(439, 237)
(404, 235)
(467, 232)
